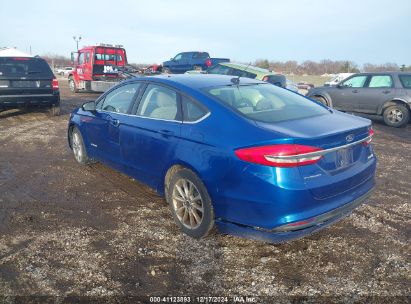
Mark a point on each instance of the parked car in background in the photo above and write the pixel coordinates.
(281, 167)
(186, 61)
(249, 71)
(386, 95)
(337, 79)
(64, 71)
(303, 85)
(28, 82)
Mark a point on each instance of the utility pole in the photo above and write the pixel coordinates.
(77, 40)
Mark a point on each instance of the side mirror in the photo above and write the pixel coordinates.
(73, 57)
(89, 106)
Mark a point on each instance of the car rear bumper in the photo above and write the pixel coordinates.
(15, 101)
(298, 230)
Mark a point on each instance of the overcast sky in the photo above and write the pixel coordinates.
(154, 30)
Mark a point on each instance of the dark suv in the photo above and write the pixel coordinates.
(27, 82)
(386, 95)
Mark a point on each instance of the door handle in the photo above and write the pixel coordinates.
(386, 91)
(166, 132)
(114, 122)
(355, 91)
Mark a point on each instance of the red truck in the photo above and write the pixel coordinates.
(97, 68)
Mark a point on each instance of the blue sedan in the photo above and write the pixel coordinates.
(245, 156)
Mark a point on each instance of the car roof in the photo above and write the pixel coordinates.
(197, 81)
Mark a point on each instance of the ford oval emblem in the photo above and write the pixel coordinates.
(349, 138)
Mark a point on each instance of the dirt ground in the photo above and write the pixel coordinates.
(72, 230)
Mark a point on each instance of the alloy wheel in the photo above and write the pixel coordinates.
(395, 116)
(188, 203)
(77, 147)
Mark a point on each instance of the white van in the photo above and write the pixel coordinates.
(337, 79)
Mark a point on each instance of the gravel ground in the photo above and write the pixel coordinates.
(71, 230)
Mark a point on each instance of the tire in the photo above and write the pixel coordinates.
(77, 145)
(190, 204)
(321, 100)
(396, 116)
(55, 110)
(166, 71)
(72, 85)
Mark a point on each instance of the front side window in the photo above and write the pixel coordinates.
(81, 58)
(87, 57)
(120, 99)
(266, 103)
(380, 81)
(159, 102)
(192, 111)
(355, 82)
(178, 57)
(406, 81)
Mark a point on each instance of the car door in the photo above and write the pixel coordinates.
(103, 127)
(345, 96)
(175, 63)
(379, 89)
(152, 134)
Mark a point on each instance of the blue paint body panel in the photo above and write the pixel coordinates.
(248, 199)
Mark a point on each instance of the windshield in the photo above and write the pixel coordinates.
(266, 103)
(23, 67)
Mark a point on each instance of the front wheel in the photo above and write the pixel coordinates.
(396, 116)
(190, 204)
(320, 99)
(79, 150)
(72, 85)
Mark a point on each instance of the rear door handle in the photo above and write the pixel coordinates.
(355, 91)
(166, 132)
(386, 91)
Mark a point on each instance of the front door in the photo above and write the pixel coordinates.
(345, 96)
(103, 129)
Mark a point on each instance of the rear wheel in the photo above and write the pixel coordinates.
(55, 110)
(190, 204)
(79, 150)
(396, 116)
(72, 85)
(320, 99)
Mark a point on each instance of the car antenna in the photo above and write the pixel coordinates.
(236, 80)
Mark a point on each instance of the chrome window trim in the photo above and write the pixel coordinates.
(323, 152)
(198, 120)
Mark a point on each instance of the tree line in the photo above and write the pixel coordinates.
(326, 66)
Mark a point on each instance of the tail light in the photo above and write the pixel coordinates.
(208, 62)
(369, 138)
(55, 84)
(284, 155)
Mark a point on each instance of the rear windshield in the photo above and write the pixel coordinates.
(406, 81)
(266, 103)
(24, 67)
(109, 57)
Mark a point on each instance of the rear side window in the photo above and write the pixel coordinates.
(159, 102)
(380, 81)
(24, 67)
(355, 82)
(266, 103)
(201, 55)
(120, 99)
(192, 111)
(219, 69)
(405, 81)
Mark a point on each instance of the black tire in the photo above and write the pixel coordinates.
(194, 228)
(77, 143)
(396, 116)
(320, 99)
(72, 85)
(55, 110)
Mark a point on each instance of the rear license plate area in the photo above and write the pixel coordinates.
(344, 158)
